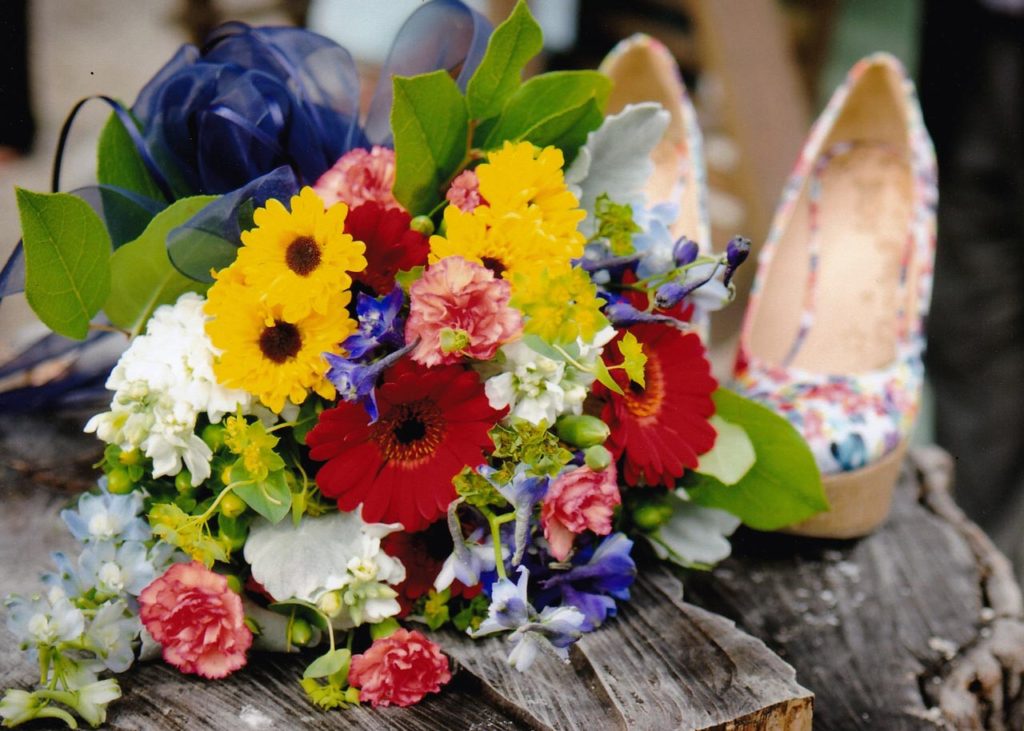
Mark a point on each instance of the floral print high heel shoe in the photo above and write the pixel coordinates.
(833, 334)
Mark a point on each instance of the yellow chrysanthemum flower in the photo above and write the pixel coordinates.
(529, 222)
(267, 353)
(559, 307)
(300, 258)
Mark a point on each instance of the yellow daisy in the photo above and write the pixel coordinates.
(266, 352)
(559, 307)
(301, 258)
(529, 221)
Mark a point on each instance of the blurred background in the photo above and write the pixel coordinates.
(758, 70)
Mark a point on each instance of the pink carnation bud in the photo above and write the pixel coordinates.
(458, 308)
(360, 176)
(199, 621)
(399, 669)
(578, 500)
(464, 192)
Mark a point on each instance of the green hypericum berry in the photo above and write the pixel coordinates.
(582, 430)
(651, 516)
(597, 457)
(183, 482)
(422, 224)
(119, 482)
(213, 435)
(232, 506)
(301, 633)
(131, 457)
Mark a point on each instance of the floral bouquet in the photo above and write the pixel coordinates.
(442, 367)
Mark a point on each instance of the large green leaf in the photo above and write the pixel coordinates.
(67, 260)
(732, 456)
(552, 106)
(430, 125)
(143, 277)
(118, 162)
(783, 486)
(512, 44)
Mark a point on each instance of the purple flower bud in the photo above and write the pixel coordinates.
(684, 251)
(669, 295)
(736, 252)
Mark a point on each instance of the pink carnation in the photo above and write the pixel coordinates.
(464, 192)
(399, 669)
(199, 621)
(360, 176)
(460, 307)
(578, 500)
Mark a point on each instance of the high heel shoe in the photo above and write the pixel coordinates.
(833, 333)
(643, 70)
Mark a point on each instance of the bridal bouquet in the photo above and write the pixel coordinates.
(438, 366)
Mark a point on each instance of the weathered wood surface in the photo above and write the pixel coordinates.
(915, 627)
(662, 664)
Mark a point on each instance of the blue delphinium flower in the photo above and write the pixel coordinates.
(471, 560)
(44, 620)
(379, 323)
(106, 517)
(115, 570)
(554, 628)
(523, 492)
(600, 573)
(111, 634)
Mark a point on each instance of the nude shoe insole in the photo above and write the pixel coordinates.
(857, 299)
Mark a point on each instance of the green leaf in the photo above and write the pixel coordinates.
(540, 346)
(142, 276)
(384, 628)
(551, 107)
(307, 610)
(67, 260)
(512, 44)
(430, 125)
(271, 498)
(604, 376)
(328, 664)
(633, 358)
(784, 485)
(118, 162)
(732, 456)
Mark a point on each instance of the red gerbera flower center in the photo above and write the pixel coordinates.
(641, 401)
(409, 431)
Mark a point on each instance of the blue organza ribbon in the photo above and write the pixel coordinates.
(255, 114)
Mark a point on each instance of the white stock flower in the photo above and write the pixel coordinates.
(162, 383)
(537, 388)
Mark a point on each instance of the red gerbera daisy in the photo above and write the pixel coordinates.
(432, 423)
(391, 245)
(662, 428)
(423, 555)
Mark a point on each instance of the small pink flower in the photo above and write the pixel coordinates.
(199, 621)
(399, 669)
(360, 176)
(578, 500)
(464, 192)
(458, 308)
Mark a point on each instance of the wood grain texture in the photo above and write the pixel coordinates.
(917, 626)
(662, 664)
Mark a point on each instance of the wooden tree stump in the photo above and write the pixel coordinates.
(917, 626)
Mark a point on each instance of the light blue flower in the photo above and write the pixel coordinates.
(523, 492)
(115, 570)
(470, 558)
(655, 241)
(106, 517)
(44, 620)
(111, 635)
(553, 630)
(66, 576)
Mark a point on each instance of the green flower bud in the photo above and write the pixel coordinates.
(422, 224)
(453, 340)
(597, 457)
(213, 435)
(130, 457)
(234, 583)
(301, 633)
(183, 482)
(119, 482)
(352, 695)
(651, 516)
(232, 506)
(330, 603)
(582, 430)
